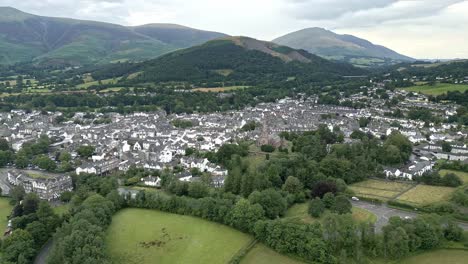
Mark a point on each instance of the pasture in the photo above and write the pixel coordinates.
(437, 89)
(300, 212)
(219, 89)
(5, 211)
(261, 254)
(146, 236)
(383, 190)
(463, 175)
(438, 256)
(425, 194)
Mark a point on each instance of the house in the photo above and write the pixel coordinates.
(47, 187)
(151, 181)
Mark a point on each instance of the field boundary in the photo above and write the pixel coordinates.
(404, 191)
(236, 258)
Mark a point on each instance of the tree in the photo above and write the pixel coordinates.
(402, 143)
(446, 147)
(64, 156)
(342, 205)
(197, 190)
(244, 215)
(17, 193)
(267, 148)
(19, 247)
(316, 207)
(85, 151)
(451, 180)
(45, 163)
(30, 203)
(329, 200)
(4, 145)
(21, 161)
(323, 187)
(272, 202)
(396, 243)
(292, 185)
(453, 232)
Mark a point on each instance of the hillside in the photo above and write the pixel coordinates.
(25, 37)
(239, 59)
(341, 47)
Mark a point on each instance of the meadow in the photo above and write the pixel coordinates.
(437, 89)
(261, 254)
(300, 212)
(463, 175)
(425, 194)
(219, 89)
(5, 211)
(143, 236)
(383, 190)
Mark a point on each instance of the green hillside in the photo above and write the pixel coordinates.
(25, 37)
(341, 47)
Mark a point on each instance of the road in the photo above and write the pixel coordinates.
(383, 213)
(4, 184)
(41, 258)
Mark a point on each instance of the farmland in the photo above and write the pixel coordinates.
(463, 175)
(261, 254)
(383, 190)
(5, 210)
(141, 236)
(437, 89)
(425, 194)
(220, 89)
(299, 212)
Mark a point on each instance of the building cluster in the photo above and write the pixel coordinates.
(46, 186)
(151, 141)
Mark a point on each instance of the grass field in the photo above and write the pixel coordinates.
(384, 190)
(5, 210)
(425, 194)
(147, 236)
(463, 175)
(300, 212)
(261, 254)
(89, 84)
(220, 89)
(61, 209)
(437, 89)
(439, 256)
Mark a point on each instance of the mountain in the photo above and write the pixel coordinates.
(25, 37)
(348, 48)
(234, 59)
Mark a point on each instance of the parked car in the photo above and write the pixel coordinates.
(354, 198)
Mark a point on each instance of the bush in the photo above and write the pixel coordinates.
(316, 207)
(267, 148)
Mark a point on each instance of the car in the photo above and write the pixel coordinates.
(407, 217)
(354, 198)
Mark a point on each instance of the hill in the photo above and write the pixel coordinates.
(25, 37)
(347, 48)
(236, 59)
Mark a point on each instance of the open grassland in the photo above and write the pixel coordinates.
(261, 254)
(463, 175)
(89, 84)
(383, 190)
(220, 89)
(439, 256)
(5, 211)
(61, 209)
(425, 194)
(437, 89)
(148, 236)
(300, 212)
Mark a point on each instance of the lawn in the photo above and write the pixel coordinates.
(61, 209)
(5, 211)
(300, 212)
(261, 254)
(149, 236)
(437, 89)
(425, 194)
(463, 175)
(220, 89)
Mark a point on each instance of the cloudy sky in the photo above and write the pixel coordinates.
(417, 28)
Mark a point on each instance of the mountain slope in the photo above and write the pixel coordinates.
(238, 59)
(26, 37)
(342, 47)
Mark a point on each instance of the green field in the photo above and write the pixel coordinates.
(220, 89)
(300, 212)
(425, 194)
(439, 256)
(61, 209)
(261, 254)
(5, 211)
(463, 175)
(437, 89)
(383, 190)
(148, 236)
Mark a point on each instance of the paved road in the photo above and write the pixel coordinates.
(383, 213)
(41, 258)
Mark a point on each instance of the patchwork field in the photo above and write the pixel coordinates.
(146, 236)
(383, 190)
(5, 211)
(300, 212)
(438, 89)
(425, 194)
(220, 89)
(261, 254)
(463, 175)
